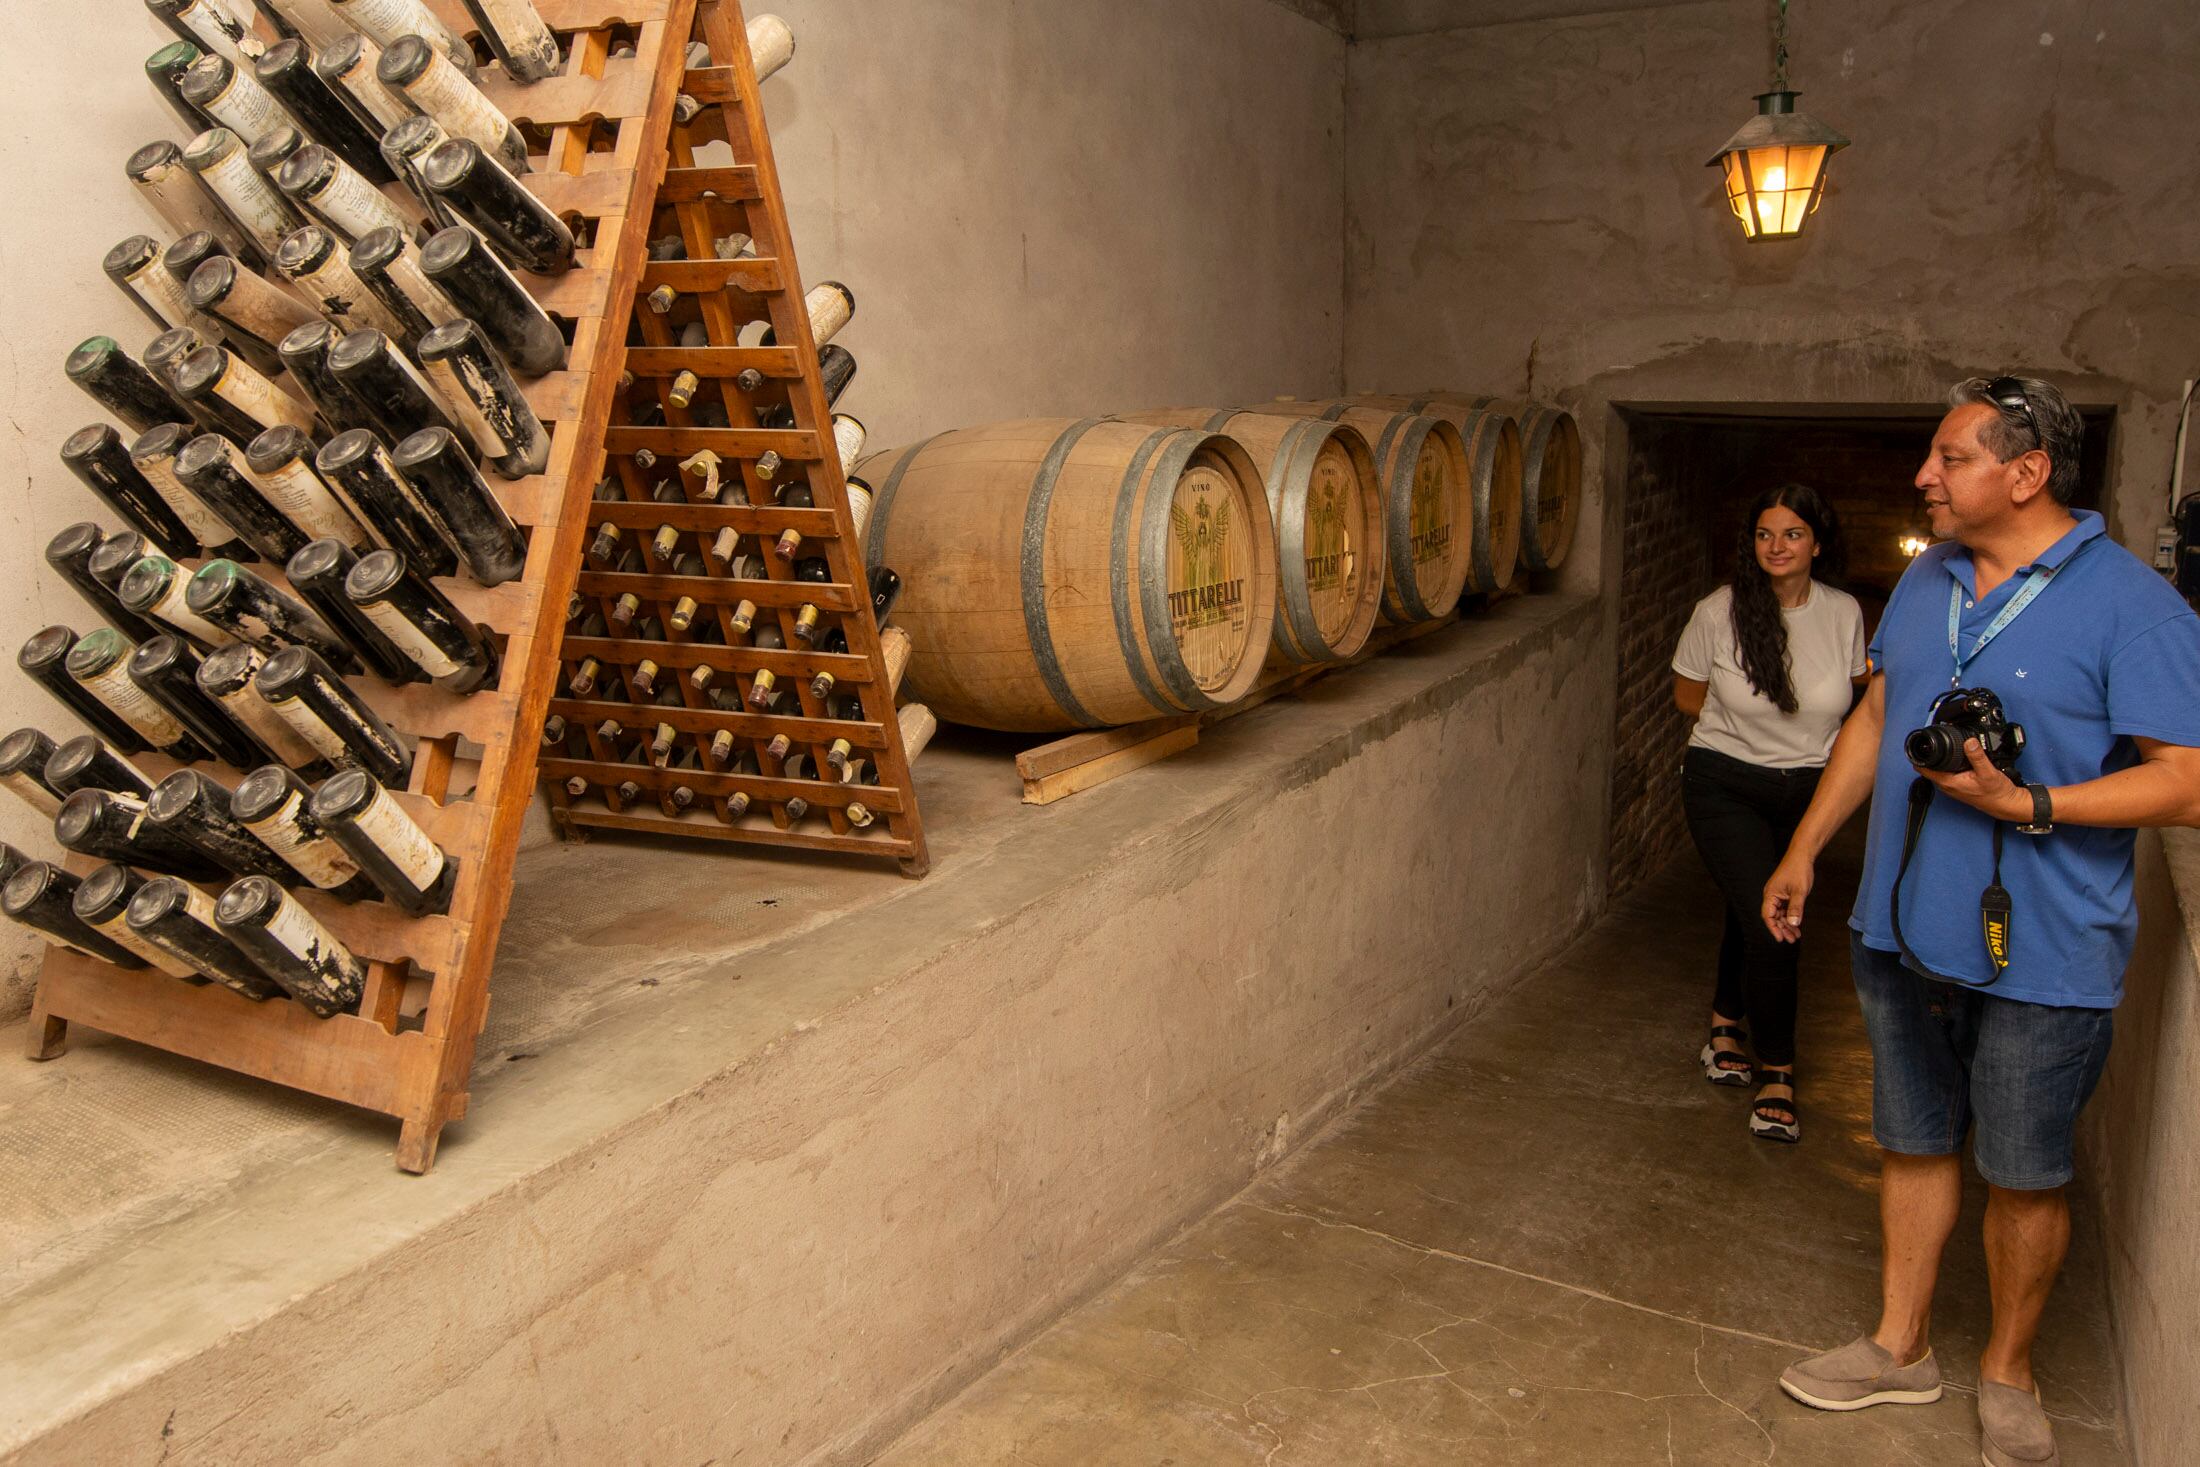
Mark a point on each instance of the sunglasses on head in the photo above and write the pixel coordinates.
(2008, 392)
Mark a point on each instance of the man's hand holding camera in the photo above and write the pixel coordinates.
(1983, 786)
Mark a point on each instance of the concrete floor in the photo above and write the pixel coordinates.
(1548, 1242)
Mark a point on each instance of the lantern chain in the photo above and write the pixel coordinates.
(1780, 48)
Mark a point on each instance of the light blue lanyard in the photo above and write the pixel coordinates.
(2035, 583)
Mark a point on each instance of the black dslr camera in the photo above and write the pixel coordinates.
(1959, 715)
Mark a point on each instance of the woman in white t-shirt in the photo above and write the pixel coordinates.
(1767, 669)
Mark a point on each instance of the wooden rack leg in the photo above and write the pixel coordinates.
(48, 1037)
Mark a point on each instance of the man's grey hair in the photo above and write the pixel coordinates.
(2060, 432)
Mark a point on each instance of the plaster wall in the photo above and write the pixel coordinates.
(1062, 208)
(1040, 1062)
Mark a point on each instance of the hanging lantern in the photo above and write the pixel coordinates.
(1775, 166)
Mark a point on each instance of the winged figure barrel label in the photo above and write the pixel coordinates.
(1206, 578)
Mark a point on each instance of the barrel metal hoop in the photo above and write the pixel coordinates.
(1482, 476)
(1119, 572)
(1153, 581)
(1410, 434)
(882, 505)
(1033, 569)
(1535, 439)
(1335, 411)
(1295, 457)
(1216, 423)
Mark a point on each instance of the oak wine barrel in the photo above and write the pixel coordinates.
(1063, 574)
(1428, 510)
(1492, 441)
(1327, 505)
(1550, 485)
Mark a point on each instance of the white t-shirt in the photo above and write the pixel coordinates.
(1825, 651)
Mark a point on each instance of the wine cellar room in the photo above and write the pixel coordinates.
(965, 731)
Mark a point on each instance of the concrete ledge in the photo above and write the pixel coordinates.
(774, 1219)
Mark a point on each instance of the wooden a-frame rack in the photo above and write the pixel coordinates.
(703, 201)
(598, 134)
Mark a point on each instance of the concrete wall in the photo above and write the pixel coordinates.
(784, 1245)
(2143, 1147)
(1056, 208)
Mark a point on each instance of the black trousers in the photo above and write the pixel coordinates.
(1742, 817)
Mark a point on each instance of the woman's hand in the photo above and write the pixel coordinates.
(1984, 787)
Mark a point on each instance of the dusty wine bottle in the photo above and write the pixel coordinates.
(286, 72)
(44, 660)
(412, 612)
(361, 468)
(291, 945)
(771, 45)
(317, 574)
(836, 367)
(461, 361)
(319, 267)
(112, 827)
(830, 305)
(405, 146)
(227, 676)
(194, 810)
(246, 305)
(153, 588)
(251, 610)
(390, 21)
(885, 591)
(425, 77)
(236, 396)
(348, 67)
(177, 197)
(167, 668)
(24, 755)
(102, 902)
(134, 267)
(661, 742)
(87, 763)
(271, 152)
(395, 398)
(272, 802)
(153, 456)
(233, 97)
(219, 26)
(186, 255)
(483, 194)
(97, 457)
(178, 918)
(388, 264)
(584, 677)
(281, 461)
(40, 896)
(304, 353)
(165, 69)
(338, 194)
(99, 663)
(214, 469)
(516, 34)
(314, 21)
(809, 624)
(603, 546)
(492, 547)
(306, 693)
(478, 283)
(222, 163)
(625, 609)
(122, 385)
(414, 872)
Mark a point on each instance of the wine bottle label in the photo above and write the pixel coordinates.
(258, 307)
(259, 399)
(413, 283)
(453, 382)
(314, 946)
(310, 726)
(410, 640)
(385, 823)
(164, 293)
(317, 858)
(257, 204)
(32, 793)
(387, 20)
(340, 295)
(917, 727)
(117, 931)
(199, 907)
(443, 92)
(219, 25)
(365, 88)
(355, 207)
(771, 45)
(135, 706)
(829, 311)
(247, 109)
(299, 493)
(172, 609)
(848, 437)
(251, 710)
(210, 528)
(859, 507)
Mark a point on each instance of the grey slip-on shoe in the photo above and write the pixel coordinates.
(1861, 1374)
(2013, 1428)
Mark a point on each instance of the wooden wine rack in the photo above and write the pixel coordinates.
(703, 203)
(597, 134)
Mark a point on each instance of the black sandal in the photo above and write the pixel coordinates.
(1725, 1066)
(1772, 1117)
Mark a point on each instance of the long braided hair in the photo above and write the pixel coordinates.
(1760, 632)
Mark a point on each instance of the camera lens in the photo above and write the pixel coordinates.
(1936, 746)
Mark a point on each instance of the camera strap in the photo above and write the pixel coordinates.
(1994, 907)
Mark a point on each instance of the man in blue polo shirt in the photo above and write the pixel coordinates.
(1989, 990)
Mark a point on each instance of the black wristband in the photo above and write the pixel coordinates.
(2043, 812)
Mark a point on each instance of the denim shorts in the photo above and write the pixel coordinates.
(1948, 1056)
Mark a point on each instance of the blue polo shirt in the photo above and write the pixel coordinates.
(2107, 651)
